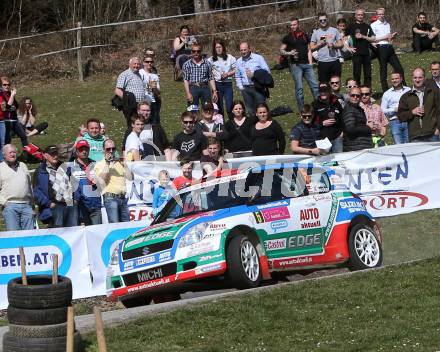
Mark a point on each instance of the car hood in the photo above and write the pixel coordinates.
(157, 233)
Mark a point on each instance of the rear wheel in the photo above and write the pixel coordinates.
(136, 301)
(364, 247)
(244, 270)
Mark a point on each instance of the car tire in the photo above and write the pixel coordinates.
(13, 343)
(243, 262)
(40, 293)
(51, 316)
(364, 247)
(38, 331)
(136, 301)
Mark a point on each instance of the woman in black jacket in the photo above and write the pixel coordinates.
(239, 129)
(267, 136)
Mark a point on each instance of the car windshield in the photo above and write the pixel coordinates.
(219, 196)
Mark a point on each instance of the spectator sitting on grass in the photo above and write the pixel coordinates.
(94, 138)
(305, 133)
(424, 34)
(213, 161)
(27, 115)
(162, 193)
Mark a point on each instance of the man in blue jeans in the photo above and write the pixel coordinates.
(389, 105)
(111, 175)
(296, 46)
(15, 191)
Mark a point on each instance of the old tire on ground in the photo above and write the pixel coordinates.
(40, 293)
(136, 301)
(364, 247)
(244, 270)
(50, 316)
(38, 331)
(12, 343)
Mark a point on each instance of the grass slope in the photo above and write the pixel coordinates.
(391, 309)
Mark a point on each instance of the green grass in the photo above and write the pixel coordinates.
(392, 309)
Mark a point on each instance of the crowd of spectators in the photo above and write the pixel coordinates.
(216, 127)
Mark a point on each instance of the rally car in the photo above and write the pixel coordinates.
(242, 227)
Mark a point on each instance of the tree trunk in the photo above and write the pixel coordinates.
(144, 8)
(201, 5)
(332, 5)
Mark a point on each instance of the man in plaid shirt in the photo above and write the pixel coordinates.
(198, 79)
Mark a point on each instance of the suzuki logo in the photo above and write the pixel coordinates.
(145, 250)
(396, 200)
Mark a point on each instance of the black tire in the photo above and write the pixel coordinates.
(364, 247)
(40, 293)
(38, 331)
(27, 344)
(136, 301)
(50, 316)
(244, 270)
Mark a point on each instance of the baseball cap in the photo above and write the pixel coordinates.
(192, 108)
(82, 143)
(207, 106)
(51, 149)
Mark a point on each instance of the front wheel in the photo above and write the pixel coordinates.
(244, 270)
(364, 247)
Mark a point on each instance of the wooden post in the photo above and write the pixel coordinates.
(54, 268)
(23, 266)
(70, 329)
(78, 53)
(99, 330)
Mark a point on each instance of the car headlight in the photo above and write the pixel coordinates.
(194, 235)
(114, 259)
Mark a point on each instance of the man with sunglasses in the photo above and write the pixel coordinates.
(357, 134)
(198, 80)
(296, 46)
(335, 86)
(189, 143)
(376, 119)
(327, 41)
(305, 133)
(152, 87)
(111, 174)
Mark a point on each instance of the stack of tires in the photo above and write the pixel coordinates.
(37, 315)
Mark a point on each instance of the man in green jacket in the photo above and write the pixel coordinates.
(95, 139)
(420, 107)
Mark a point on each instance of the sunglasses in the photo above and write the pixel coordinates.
(188, 122)
(6, 84)
(323, 20)
(365, 94)
(110, 149)
(335, 82)
(349, 87)
(148, 62)
(196, 51)
(306, 116)
(355, 95)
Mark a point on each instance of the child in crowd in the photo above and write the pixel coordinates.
(163, 193)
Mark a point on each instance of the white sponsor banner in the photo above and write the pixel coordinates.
(391, 180)
(39, 246)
